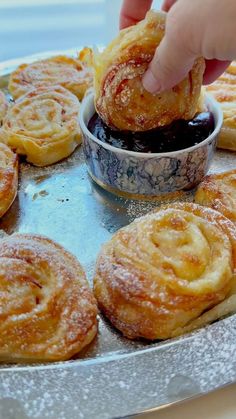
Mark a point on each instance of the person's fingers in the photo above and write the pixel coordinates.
(214, 68)
(133, 11)
(167, 4)
(187, 38)
(170, 65)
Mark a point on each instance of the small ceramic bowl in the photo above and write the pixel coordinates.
(144, 175)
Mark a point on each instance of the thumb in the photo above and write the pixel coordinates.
(170, 65)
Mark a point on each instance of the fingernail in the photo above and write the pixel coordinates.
(150, 83)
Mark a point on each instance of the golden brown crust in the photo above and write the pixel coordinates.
(218, 191)
(159, 274)
(120, 98)
(3, 107)
(75, 74)
(48, 312)
(224, 91)
(8, 178)
(43, 125)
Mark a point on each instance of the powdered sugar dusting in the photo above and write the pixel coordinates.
(137, 208)
(183, 368)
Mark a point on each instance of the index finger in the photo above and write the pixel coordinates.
(167, 4)
(133, 11)
(214, 68)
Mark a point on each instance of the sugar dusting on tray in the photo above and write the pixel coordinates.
(136, 208)
(186, 368)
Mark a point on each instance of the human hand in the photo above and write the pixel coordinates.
(200, 28)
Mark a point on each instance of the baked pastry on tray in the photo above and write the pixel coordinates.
(75, 74)
(3, 107)
(168, 272)
(224, 91)
(48, 311)
(8, 178)
(43, 125)
(218, 191)
(120, 98)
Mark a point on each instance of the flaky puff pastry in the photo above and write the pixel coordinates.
(8, 178)
(75, 74)
(3, 107)
(43, 125)
(224, 91)
(218, 191)
(157, 276)
(48, 312)
(120, 98)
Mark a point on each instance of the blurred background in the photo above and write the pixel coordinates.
(34, 26)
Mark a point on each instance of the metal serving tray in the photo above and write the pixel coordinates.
(114, 377)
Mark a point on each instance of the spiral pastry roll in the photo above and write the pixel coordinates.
(48, 311)
(120, 98)
(224, 91)
(157, 276)
(3, 107)
(8, 178)
(75, 74)
(218, 191)
(43, 125)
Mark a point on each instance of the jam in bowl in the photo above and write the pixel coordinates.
(152, 163)
(176, 136)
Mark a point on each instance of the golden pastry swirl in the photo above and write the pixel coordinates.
(120, 98)
(157, 276)
(218, 191)
(43, 125)
(48, 312)
(75, 74)
(8, 178)
(3, 107)
(224, 91)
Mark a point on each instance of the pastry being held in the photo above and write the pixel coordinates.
(120, 98)
(218, 191)
(75, 74)
(43, 125)
(48, 312)
(194, 29)
(168, 272)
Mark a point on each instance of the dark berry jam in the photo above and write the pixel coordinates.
(176, 136)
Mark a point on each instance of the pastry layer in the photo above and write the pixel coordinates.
(74, 74)
(48, 312)
(3, 107)
(168, 272)
(120, 98)
(218, 191)
(8, 178)
(43, 125)
(224, 91)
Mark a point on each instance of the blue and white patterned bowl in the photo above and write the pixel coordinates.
(145, 175)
